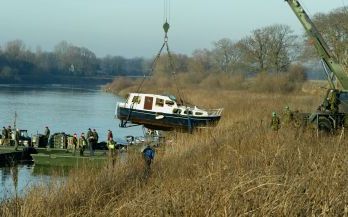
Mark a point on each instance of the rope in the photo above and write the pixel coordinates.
(153, 65)
(166, 27)
(173, 74)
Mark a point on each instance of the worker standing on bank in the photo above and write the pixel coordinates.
(47, 133)
(90, 140)
(288, 116)
(82, 143)
(96, 138)
(16, 139)
(148, 155)
(275, 122)
(110, 136)
(4, 136)
(333, 101)
(74, 142)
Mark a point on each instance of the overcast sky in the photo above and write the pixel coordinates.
(133, 28)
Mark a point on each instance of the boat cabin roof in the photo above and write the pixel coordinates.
(162, 96)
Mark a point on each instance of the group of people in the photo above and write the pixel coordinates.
(288, 117)
(88, 140)
(8, 134)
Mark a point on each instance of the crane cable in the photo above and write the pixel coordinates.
(166, 27)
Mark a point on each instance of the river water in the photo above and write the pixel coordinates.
(63, 109)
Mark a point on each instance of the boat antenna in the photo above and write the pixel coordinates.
(15, 120)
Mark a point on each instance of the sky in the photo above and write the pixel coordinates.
(133, 28)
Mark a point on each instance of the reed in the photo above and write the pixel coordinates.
(239, 168)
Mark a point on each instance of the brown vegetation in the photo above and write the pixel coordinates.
(162, 82)
(240, 168)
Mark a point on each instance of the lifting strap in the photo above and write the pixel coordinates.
(166, 27)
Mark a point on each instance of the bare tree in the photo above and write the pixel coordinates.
(201, 61)
(269, 49)
(255, 49)
(225, 55)
(282, 45)
(334, 29)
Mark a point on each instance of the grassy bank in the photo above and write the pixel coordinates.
(240, 168)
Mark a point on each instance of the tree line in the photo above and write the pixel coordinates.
(271, 49)
(21, 65)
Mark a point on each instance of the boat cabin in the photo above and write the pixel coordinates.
(163, 111)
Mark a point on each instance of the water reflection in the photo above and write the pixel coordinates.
(16, 180)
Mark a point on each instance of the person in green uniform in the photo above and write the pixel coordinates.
(82, 143)
(275, 122)
(288, 115)
(4, 136)
(333, 101)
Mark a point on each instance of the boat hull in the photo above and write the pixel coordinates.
(164, 121)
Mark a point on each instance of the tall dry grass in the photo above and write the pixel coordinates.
(161, 81)
(240, 168)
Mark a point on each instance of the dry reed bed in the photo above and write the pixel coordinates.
(240, 168)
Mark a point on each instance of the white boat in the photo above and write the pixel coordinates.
(163, 112)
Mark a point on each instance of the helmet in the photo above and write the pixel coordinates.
(274, 114)
(286, 107)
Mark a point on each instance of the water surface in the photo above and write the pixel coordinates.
(62, 109)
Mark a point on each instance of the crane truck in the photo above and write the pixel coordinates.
(332, 114)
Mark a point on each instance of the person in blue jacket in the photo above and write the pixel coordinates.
(148, 154)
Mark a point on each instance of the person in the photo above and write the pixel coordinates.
(333, 101)
(46, 135)
(82, 143)
(111, 146)
(4, 135)
(47, 132)
(288, 115)
(96, 138)
(110, 142)
(110, 136)
(74, 142)
(90, 141)
(275, 122)
(16, 139)
(148, 155)
(9, 132)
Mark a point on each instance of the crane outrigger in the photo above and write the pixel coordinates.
(333, 113)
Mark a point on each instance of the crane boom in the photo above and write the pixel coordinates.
(321, 46)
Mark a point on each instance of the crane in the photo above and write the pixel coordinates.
(333, 112)
(331, 65)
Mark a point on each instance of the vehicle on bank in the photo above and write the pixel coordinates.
(331, 115)
(163, 112)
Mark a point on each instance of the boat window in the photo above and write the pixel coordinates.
(169, 102)
(136, 99)
(176, 111)
(188, 112)
(198, 113)
(159, 102)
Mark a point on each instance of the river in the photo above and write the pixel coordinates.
(63, 109)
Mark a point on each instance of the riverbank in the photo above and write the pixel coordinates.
(239, 168)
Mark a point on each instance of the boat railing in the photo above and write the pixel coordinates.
(216, 112)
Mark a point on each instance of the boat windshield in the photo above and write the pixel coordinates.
(172, 97)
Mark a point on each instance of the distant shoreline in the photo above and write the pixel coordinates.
(59, 80)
